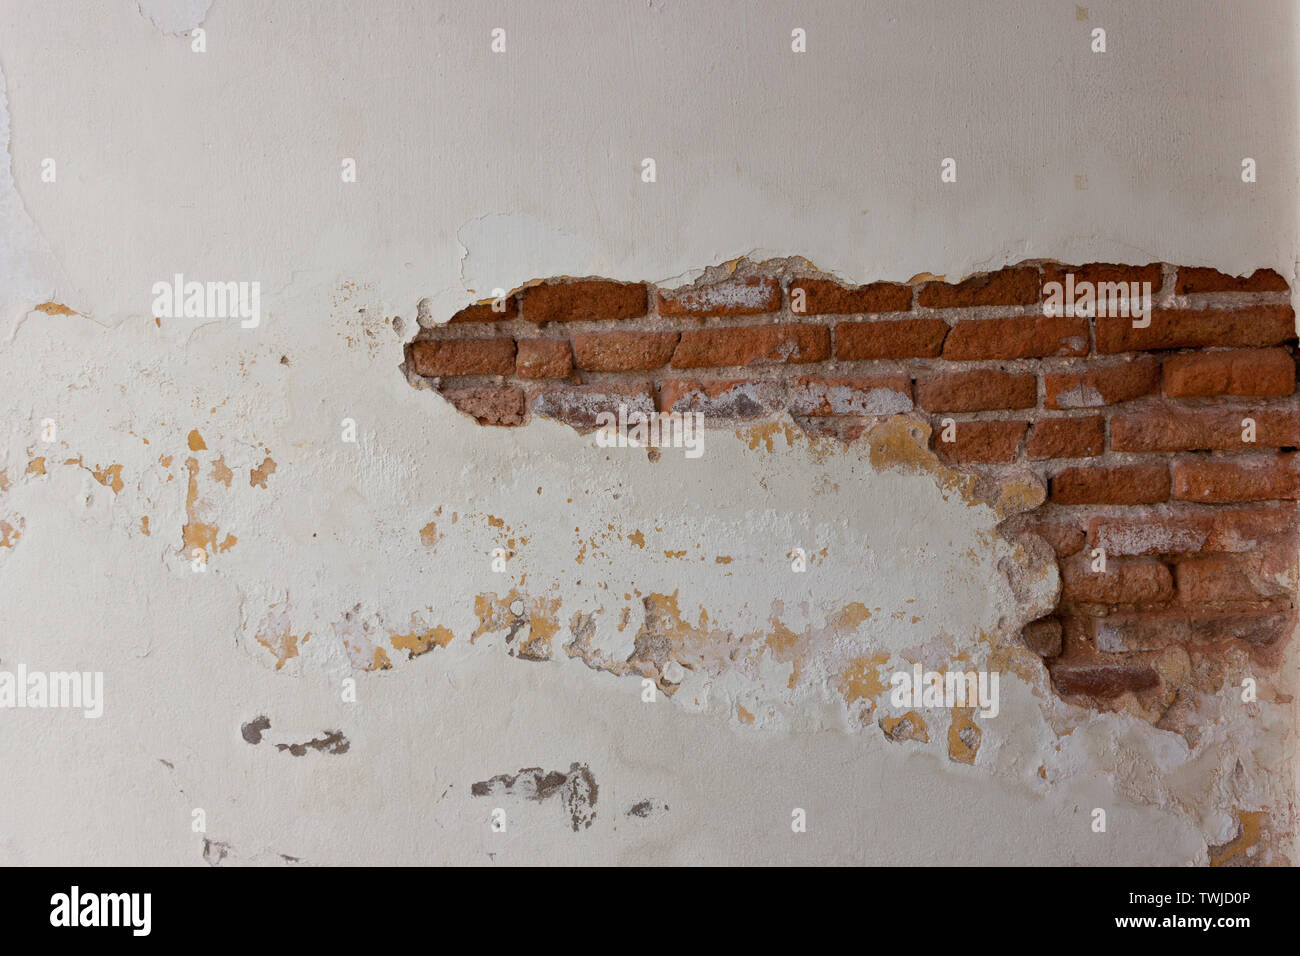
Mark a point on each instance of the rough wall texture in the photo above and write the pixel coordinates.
(372, 561)
(1165, 442)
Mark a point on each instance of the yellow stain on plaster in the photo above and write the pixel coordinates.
(10, 533)
(4, 479)
(765, 433)
(861, 679)
(964, 735)
(196, 441)
(429, 535)
(637, 538)
(221, 471)
(280, 642)
(36, 466)
(421, 638)
(195, 533)
(55, 308)
(1252, 829)
(908, 726)
(722, 559)
(144, 526)
(744, 715)
(110, 477)
(257, 476)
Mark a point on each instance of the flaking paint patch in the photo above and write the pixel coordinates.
(257, 476)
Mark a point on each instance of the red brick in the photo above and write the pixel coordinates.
(587, 300)
(438, 357)
(897, 338)
(1120, 485)
(1099, 272)
(1043, 636)
(1066, 438)
(979, 441)
(1125, 581)
(1014, 285)
(1237, 530)
(753, 345)
(1198, 328)
(1103, 680)
(1138, 630)
(483, 312)
(544, 358)
(1016, 337)
(580, 405)
(1192, 280)
(1253, 372)
(976, 391)
(1102, 385)
(501, 405)
(1216, 578)
(1065, 539)
(747, 296)
(1255, 478)
(733, 399)
(878, 395)
(624, 351)
(1178, 429)
(824, 297)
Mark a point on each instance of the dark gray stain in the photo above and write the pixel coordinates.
(332, 743)
(576, 790)
(253, 730)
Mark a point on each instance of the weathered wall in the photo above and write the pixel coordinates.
(330, 560)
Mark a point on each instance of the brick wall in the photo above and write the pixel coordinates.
(1136, 433)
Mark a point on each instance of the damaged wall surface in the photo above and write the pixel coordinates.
(350, 624)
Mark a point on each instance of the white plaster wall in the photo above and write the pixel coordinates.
(477, 171)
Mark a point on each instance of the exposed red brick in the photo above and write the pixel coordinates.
(464, 357)
(1192, 280)
(1014, 285)
(544, 358)
(580, 405)
(1099, 272)
(1178, 429)
(1120, 485)
(490, 405)
(1236, 530)
(1218, 480)
(1103, 680)
(1043, 636)
(891, 338)
(976, 391)
(824, 297)
(1066, 438)
(979, 442)
(1131, 631)
(483, 312)
(1216, 578)
(747, 296)
(734, 399)
(1125, 581)
(624, 351)
(753, 345)
(1198, 328)
(876, 395)
(1026, 336)
(1065, 538)
(587, 300)
(1253, 372)
(1260, 623)
(1102, 384)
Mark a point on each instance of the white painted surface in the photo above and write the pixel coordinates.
(479, 171)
